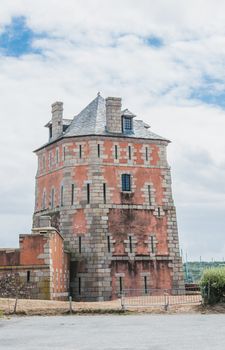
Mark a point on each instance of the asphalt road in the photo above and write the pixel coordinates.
(142, 332)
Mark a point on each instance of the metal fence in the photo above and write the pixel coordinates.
(159, 297)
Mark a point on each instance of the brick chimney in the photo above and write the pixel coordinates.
(113, 115)
(57, 116)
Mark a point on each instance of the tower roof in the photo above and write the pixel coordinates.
(92, 121)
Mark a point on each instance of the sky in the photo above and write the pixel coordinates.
(166, 59)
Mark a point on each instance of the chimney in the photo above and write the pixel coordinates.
(57, 122)
(113, 115)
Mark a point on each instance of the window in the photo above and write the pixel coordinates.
(72, 194)
(129, 152)
(126, 182)
(152, 245)
(116, 152)
(79, 285)
(79, 244)
(104, 193)
(52, 198)
(108, 244)
(149, 195)
(130, 244)
(127, 124)
(159, 212)
(80, 151)
(146, 153)
(121, 284)
(28, 276)
(50, 131)
(99, 151)
(61, 196)
(65, 127)
(88, 193)
(145, 285)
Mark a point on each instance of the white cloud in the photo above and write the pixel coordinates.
(93, 46)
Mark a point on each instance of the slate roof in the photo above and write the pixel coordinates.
(92, 121)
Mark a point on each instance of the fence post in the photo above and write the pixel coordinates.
(70, 305)
(208, 296)
(122, 301)
(166, 300)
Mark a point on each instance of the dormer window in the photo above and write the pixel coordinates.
(127, 121)
(127, 124)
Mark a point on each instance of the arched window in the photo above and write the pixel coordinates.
(52, 198)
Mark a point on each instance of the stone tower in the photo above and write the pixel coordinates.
(104, 179)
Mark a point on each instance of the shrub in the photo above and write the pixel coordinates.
(213, 285)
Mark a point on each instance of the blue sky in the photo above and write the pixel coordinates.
(167, 62)
(17, 38)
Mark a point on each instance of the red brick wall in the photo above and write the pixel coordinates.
(31, 246)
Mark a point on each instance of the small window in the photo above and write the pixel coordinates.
(130, 244)
(79, 285)
(126, 182)
(129, 152)
(52, 198)
(149, 195)
(72, 194)
(145, 285)
(116, 152)
(146, 153)
(61, 196)
(80, 151)
(88, 193)
(108, 244)
(152, 245)
(28, 276)
(159, 212)
(121, 284)
(104, 193)
(79, 238)
(50, 131)
(65, 127)
(127, 124)
(99, 151)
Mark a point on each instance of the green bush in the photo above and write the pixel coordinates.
(213, 285)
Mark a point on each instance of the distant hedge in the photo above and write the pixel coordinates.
(213, 285)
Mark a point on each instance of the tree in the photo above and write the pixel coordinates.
(213, 285)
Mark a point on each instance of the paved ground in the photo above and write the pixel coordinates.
(142, 332)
